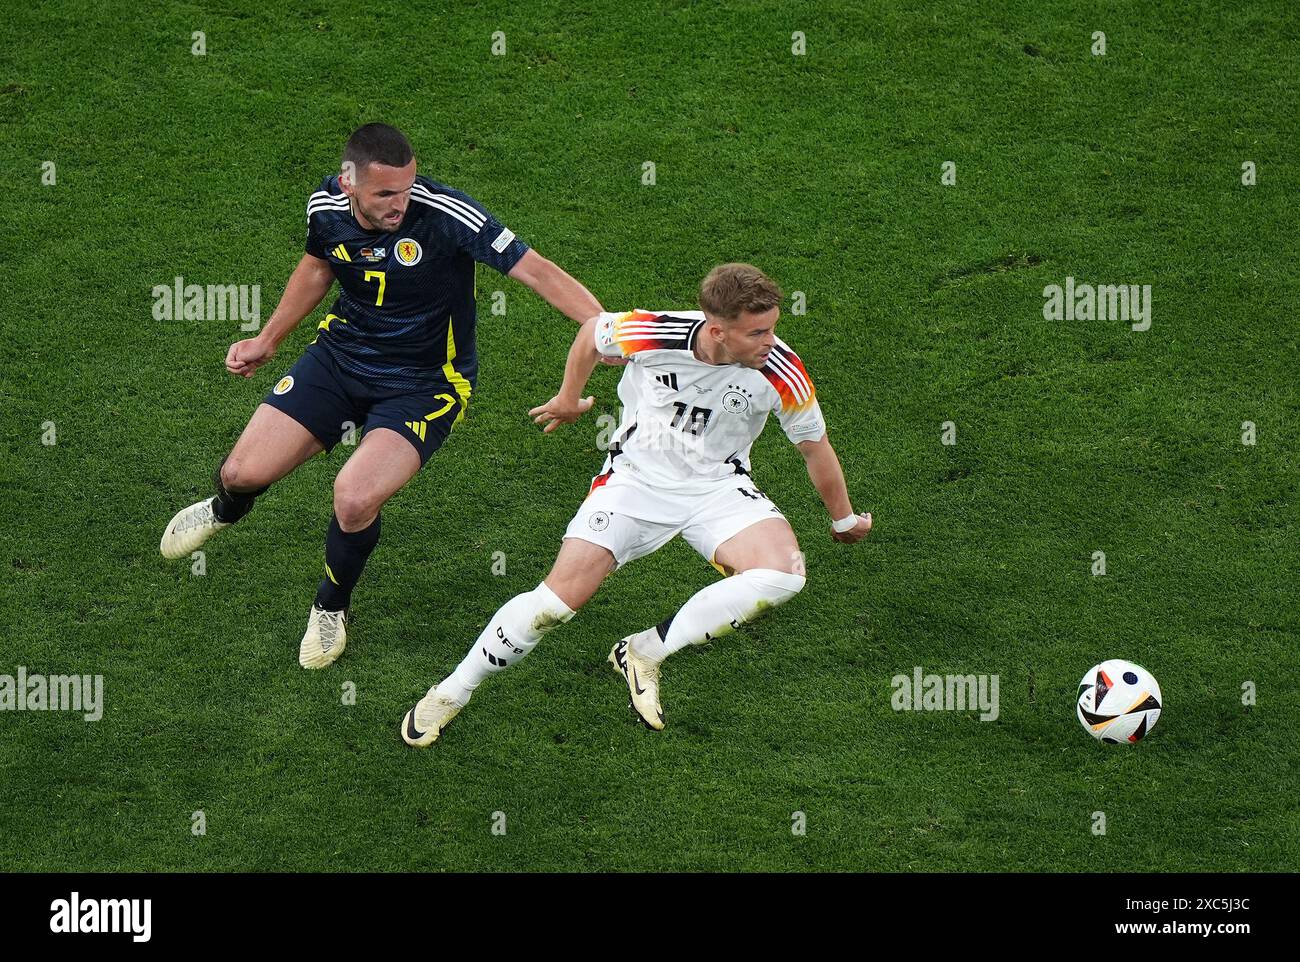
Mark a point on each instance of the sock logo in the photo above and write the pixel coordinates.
(501, 635)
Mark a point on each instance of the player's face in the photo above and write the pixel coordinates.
(381, 195)
(749, 339)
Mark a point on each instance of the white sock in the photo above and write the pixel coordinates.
(721, 607)
(512, 633)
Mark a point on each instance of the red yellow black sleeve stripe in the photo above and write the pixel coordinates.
(643, 331)
(786, 373)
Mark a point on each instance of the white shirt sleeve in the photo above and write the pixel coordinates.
(606, 343)
(796, 398)
(803, 423)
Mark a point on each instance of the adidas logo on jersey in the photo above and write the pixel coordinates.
(669, 380)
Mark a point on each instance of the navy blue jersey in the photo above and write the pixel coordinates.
(405, 317)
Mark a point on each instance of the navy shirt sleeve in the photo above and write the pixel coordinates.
(475, 231)
(315, 243)
(325, 199)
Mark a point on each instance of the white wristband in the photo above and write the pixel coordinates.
(845, 524)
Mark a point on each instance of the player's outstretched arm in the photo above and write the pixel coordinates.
(307, 287)
(828, 478)
(555, 286)
(569, 405)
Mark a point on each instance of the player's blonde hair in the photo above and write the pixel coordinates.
(732, 288)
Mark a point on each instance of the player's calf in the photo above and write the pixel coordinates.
(714, 611)
(720, 608)
(512, 633)
(376, 471)
(346, 553)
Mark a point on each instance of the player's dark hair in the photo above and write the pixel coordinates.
(377, 144)
(732, 288)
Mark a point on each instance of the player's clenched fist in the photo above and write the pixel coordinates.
(855, 533)
(246, 356)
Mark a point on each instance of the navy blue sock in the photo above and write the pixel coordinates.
(345, 558)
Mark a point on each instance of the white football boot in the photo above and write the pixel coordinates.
(190, 528)
(425, 722)
(642, 677)
(326, 637)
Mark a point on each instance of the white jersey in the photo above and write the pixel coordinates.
(688, 424)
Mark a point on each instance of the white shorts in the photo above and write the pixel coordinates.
(633, 520)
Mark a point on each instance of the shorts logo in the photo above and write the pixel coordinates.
(598, 521)
(285, 385)
(733, 402)
(408, 252)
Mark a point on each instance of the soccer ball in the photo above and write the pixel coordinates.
(1118, 701)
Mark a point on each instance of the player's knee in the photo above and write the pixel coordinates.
(353, 505)
(238, 478)
(550, 609)
(789, 561)
(229, 473)
(774, 586)
(573, 593)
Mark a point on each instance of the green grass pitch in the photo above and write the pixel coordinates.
(924, 306)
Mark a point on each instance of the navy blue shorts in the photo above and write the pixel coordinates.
(329, 402)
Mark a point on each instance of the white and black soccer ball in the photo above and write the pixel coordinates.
(1118, 702)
